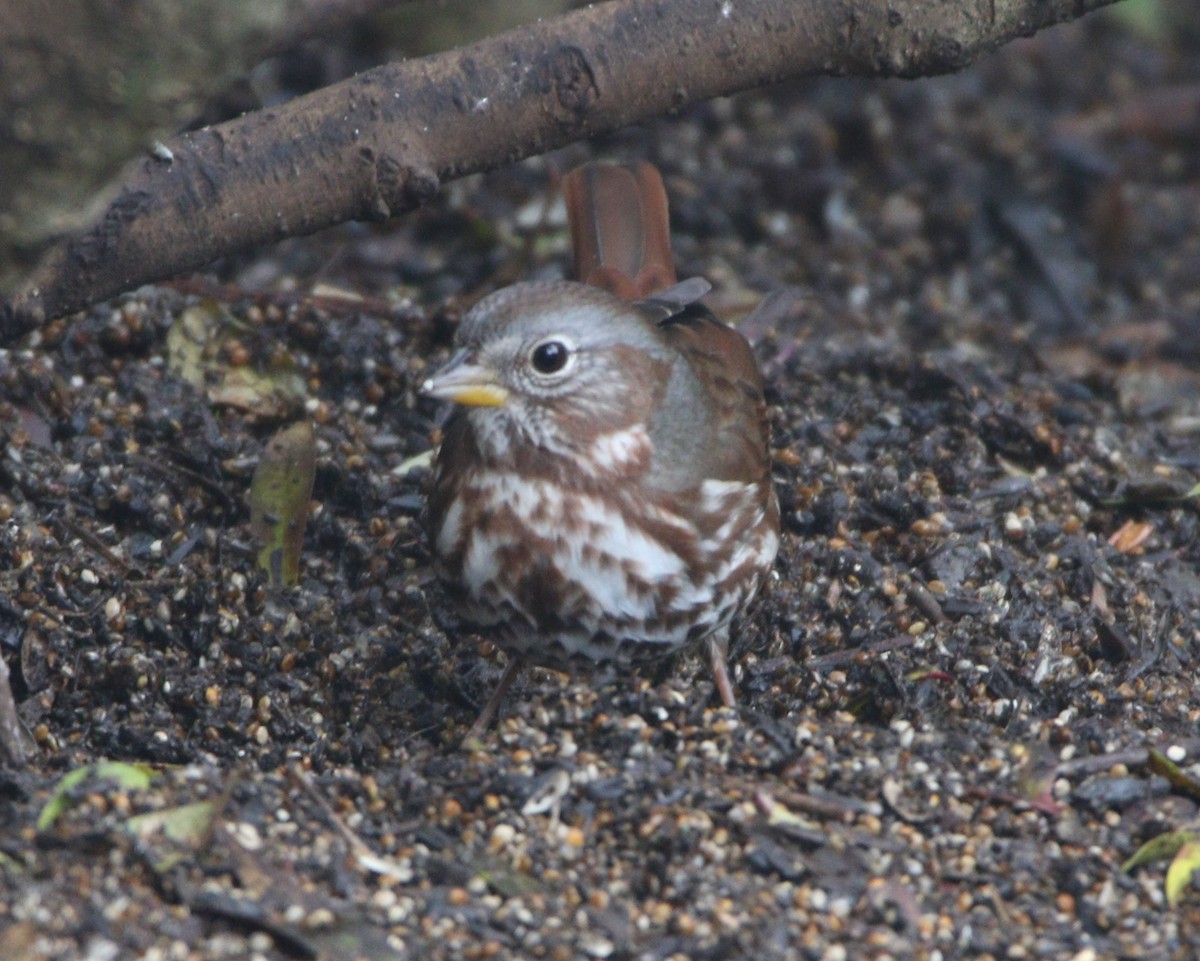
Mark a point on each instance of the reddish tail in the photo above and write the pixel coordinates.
(620, 232)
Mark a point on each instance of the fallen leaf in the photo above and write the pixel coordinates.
(1179, 875)
(127, 777)
(196, 353)
(187, 827)
(186, 824)
(279, 498)
(1158, 848)
(1130, 536)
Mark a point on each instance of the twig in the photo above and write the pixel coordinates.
(383, 142)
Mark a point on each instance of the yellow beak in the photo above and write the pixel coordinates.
(466, 383)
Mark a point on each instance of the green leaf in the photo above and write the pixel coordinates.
(1179, 874)
(279, 496)
(187, 824)
(1159, 848)
(127, 777)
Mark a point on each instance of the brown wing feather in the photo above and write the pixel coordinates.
(719, 397)
(620, 228)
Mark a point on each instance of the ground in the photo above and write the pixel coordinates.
(981, 358)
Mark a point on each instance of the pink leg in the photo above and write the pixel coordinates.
(718, 649)
(490, 709)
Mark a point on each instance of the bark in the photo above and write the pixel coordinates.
(381, 143)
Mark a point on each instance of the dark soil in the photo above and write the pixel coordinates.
(982, 357)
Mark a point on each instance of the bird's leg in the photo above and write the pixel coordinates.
(492, 707)
(718, 649)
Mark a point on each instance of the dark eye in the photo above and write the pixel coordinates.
(550, 357)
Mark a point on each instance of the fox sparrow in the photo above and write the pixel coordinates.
(603, 493)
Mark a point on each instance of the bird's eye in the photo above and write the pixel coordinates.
(550, 356)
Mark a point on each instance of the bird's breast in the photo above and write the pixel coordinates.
(583, 569)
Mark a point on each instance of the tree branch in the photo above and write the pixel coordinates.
(381, 143)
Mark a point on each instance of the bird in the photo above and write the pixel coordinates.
(602, 494)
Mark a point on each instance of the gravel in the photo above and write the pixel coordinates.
(980, 355)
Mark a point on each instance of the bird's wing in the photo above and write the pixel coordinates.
(713, 423)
